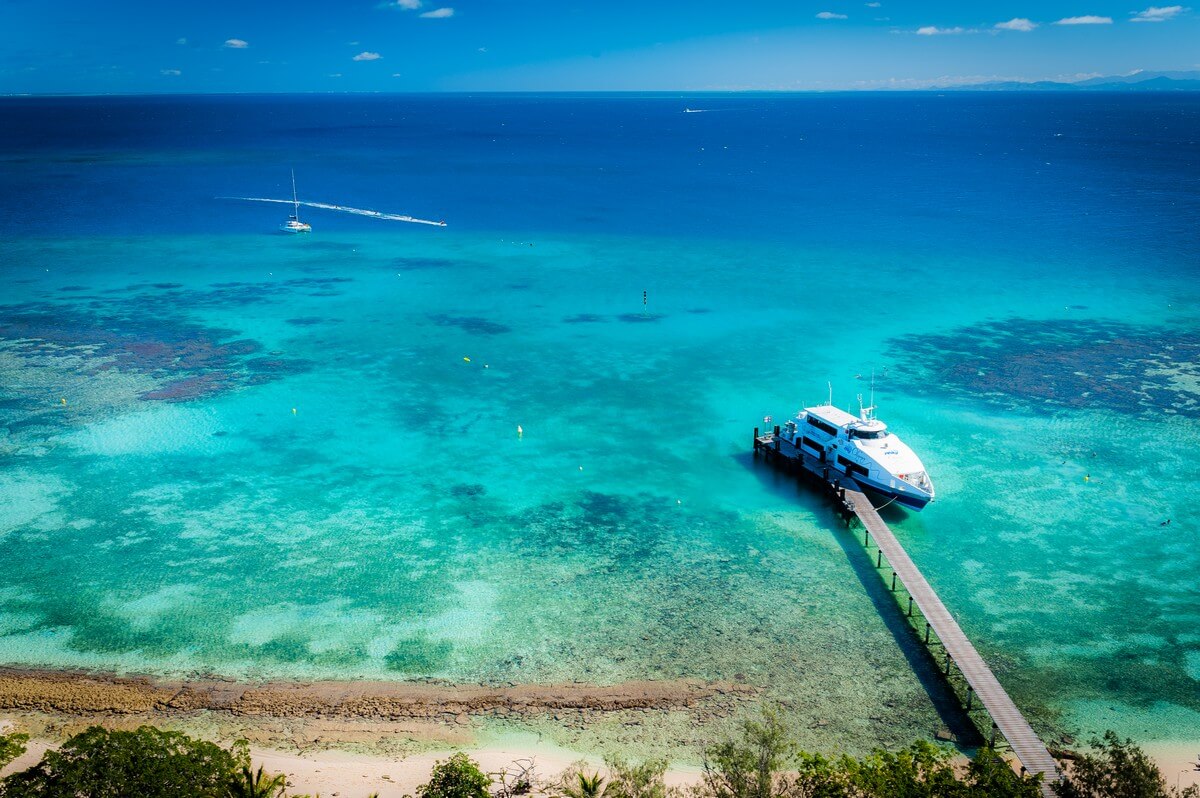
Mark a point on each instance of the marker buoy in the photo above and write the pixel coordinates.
(293, 411)
(63, 401)
(520, 432)
(466, 360)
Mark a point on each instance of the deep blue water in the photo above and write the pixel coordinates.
(1090, 171)
(228, 450)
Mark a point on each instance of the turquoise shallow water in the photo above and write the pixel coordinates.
(298, 457)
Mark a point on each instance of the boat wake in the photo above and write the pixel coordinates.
(390, 217)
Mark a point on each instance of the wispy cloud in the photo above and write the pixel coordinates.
(439, 13)
(934, 30)
(1157, 14)
(1089, 19)
(830, 15)
(181, 40)
(408, 5)
(170, 72)
(237, 44)
(874, 5)
(367, 56)
(1017, 23)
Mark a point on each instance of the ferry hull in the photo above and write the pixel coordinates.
(913, 501)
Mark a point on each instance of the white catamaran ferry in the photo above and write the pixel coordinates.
(862, 448)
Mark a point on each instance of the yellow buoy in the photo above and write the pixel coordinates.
(520, 432)
(64, 401)
(1087, 477)
(466, 360)
(293, 411)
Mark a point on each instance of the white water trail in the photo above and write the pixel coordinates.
(391, 217)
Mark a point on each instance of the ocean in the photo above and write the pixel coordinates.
(226, 450)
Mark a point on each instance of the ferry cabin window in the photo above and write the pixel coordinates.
(852, 468)
(828, 429)
(867, 435)
(810, 443)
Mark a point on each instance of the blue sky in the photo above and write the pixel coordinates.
(121, 46)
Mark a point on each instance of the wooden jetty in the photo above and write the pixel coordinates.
(981, 682)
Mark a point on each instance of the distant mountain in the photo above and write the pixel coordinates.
(1139, 81)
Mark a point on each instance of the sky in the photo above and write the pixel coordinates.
(130, 47)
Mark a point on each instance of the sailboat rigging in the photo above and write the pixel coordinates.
(293, 224)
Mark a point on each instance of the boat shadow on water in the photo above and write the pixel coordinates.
(809, 495)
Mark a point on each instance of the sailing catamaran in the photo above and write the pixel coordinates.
(293, 224)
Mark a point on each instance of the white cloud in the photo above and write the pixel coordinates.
(439, 13)
(170, 72)
(181, 40)
(1089, 19)
(934, 30)
(397, 75)
(367, 56)
(1017, 23)
(335, 74)
(830, 15)
(408, 5)
(874, 5)
(237, 44)
(1157, 14)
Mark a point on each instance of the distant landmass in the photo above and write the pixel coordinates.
(1138, 81)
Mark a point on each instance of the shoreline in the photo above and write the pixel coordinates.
(358, 737)
(76, 692)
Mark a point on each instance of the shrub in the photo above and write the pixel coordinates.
(11, 747)
(1117, 768)
(457, 777)
(631, 780)
(752, 766)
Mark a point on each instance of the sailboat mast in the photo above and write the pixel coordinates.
(295, 200)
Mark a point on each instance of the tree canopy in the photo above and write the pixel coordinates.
(146, 763)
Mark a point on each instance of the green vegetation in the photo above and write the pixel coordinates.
(456, 777)
(256, 784)
(578, 783)
(1117, 768)
(761, 761)
(11, 747)
(149, 763)
(765, 763)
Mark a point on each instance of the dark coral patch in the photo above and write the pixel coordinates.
(306, 321)
(584, 318)
(189, 361)
(278, 365)
(475, 325)
(467, 490)
(73, 288)
(189, 388)
(422, 264)
(641, 318)
(1064, 363)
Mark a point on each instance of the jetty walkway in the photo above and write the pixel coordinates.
(959, 652)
